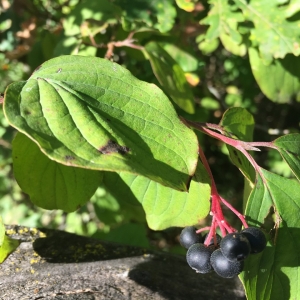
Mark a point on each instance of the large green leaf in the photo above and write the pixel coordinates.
(279, 81)
(273, 34)
(171, 76)
(92, 113)
(289, 148)
(164, 207)
(49, 184)
(274, 273)
(239, 123)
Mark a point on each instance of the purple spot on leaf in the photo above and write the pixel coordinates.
(113, 147)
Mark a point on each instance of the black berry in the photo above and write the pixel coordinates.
(189, 237)
(235, 246)
(223, 267)
(256, 238)
(198, 258)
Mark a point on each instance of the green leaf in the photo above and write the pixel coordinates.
(274, 35)
(279, 81)
(100, 10)
(232, 46)
(8, 246)
(92, 113)
(187, 61)
(156, 13)
(289, 148)
(164, 207)
(239, 123)
(49, 184)
(274, 273)
(2, 231)
(171, 77)
(210, 103)
(223, 20)
(159, 14)
(106, 207)
(66, 45)
(206, 46)
(292, 8)
(112, 208)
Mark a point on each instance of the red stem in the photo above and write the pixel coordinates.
(211, 233)
(203, 229)
(229, 141)
(237, 213)
(216, 209)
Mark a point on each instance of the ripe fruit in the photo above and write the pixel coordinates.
(189, 237)
(256, 238)
(212, 239)
(235, 246)
(227, 257)
(223, 267)
(198, 258)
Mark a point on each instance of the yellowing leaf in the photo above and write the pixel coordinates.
(187, 5)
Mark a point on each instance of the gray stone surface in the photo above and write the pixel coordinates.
(58, 265)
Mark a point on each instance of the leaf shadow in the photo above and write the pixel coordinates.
(138, 155)
(184, 283)
(291, 64)
(63, 247)
(164, 275)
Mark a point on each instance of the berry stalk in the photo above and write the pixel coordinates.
(218, 219)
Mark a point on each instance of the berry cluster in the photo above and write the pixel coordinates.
(223, 255)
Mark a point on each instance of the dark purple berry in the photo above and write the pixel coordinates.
(198, 258)
(219, 238)
(223, 267)
(235, 246)
(189, 237)
(256, 238)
